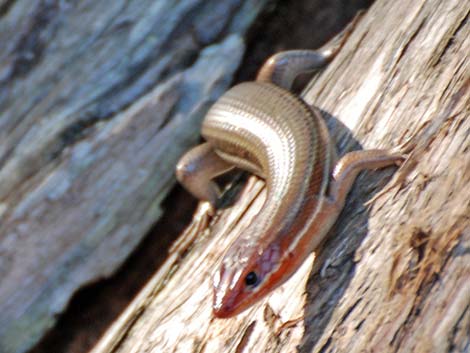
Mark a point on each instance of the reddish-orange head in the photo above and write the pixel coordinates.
(246, 275)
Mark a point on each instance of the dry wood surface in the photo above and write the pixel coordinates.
(395, 274)
(98, 99)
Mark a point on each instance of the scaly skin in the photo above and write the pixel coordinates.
(263, 128)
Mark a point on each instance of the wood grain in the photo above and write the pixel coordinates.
(98, 100)
(395, 276)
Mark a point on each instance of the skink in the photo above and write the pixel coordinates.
(263, 128)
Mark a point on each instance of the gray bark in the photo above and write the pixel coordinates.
(98, 100)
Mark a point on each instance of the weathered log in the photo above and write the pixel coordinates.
(395, 275)
(98, 100)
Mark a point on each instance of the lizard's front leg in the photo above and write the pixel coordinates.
(196, 170)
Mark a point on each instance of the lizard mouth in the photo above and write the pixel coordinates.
(225, 305)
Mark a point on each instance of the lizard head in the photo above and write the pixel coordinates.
(245, 276)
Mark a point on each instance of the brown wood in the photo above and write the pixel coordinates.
(395, 275)
(98, 100)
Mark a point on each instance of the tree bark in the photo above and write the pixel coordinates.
(98, 101)
(394, 275)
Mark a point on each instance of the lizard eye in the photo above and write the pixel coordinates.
(251, 279)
